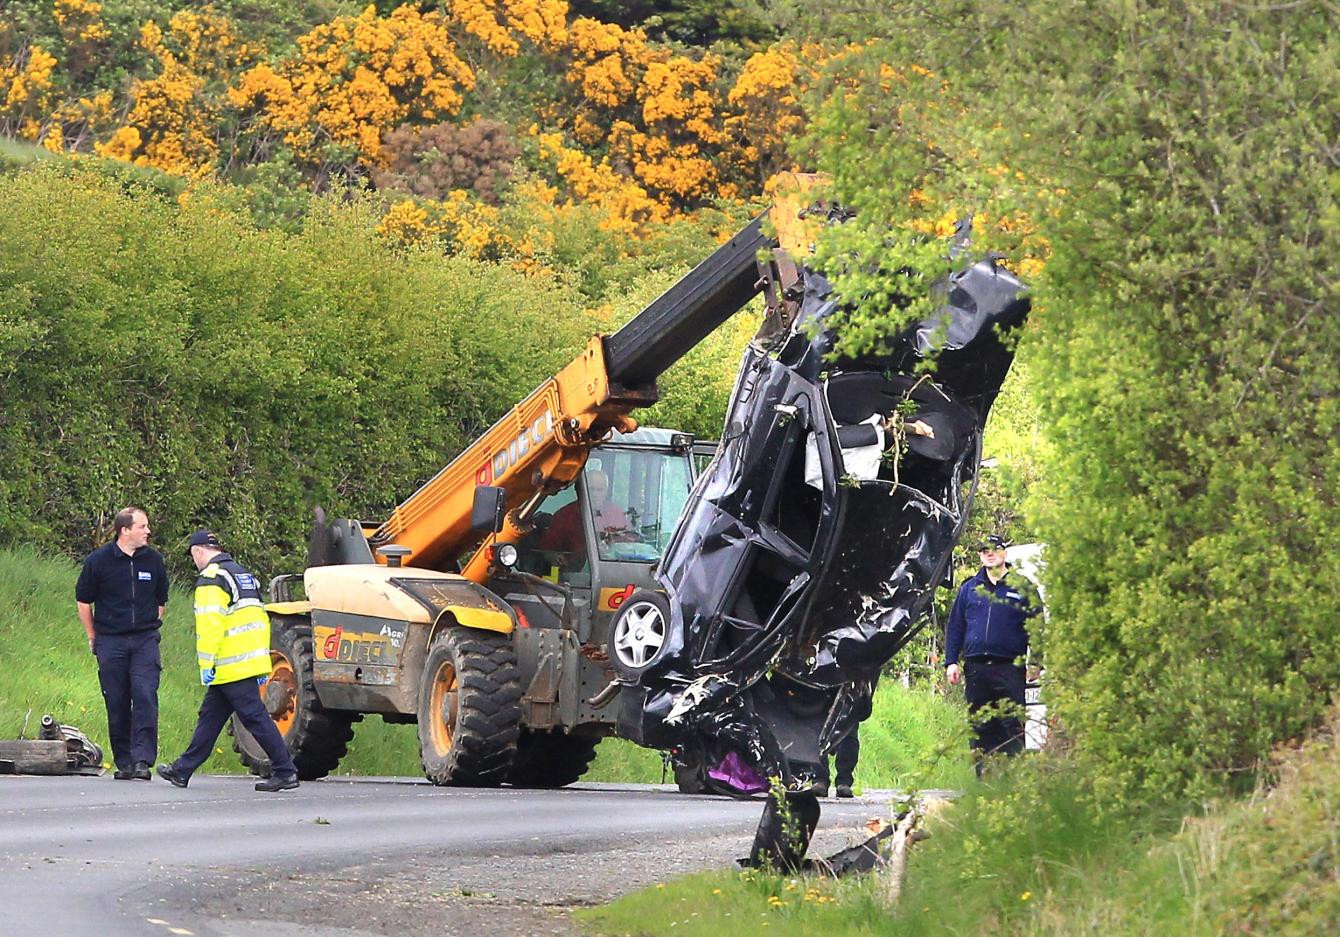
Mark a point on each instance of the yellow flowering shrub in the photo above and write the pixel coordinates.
(83, 34)
(459, 223)
(644, 132)
(74, 122)
(602, 54)
(173, 120)
(80, 20)
(407, 223)
(499, 23)
(766, 98)
(354, 79)
(627, 205)
(27, 94)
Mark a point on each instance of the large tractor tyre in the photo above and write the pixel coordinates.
(316, 737)
(551, 759)
(469, 708)
(638, 632)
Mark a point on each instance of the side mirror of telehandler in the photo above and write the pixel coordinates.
(490, 508)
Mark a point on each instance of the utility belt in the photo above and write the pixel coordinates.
(988, 659)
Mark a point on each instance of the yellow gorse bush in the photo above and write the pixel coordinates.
(28, 94)
(641, 131)
(353, 80)
(173, 122)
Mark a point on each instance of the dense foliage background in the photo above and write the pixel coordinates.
(1170, 171)
(281, 254)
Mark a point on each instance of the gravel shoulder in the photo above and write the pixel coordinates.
(509, 894)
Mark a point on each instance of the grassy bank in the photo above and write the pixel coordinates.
(45, 667)
(1031, 854)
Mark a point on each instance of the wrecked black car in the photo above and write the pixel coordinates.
(810, 547)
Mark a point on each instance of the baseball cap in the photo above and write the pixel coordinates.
(994, 542)
(202, 538)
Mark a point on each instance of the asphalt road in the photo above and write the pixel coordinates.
(83, 855)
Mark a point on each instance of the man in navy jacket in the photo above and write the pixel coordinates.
(988, 628)
(120, 597)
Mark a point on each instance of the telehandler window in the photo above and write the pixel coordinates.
(641, 493)
(556, 548)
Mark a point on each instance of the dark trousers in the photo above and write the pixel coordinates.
(846, 755)
(221, 701)
(128, 670)
(1000, 683)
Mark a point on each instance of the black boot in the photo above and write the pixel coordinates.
(173, 776)
(278, 782)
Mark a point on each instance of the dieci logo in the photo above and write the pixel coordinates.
(354, 650)
(331, 649)
(611, 599)
(504, 459)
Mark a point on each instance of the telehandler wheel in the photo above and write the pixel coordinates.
(469, 708)
(316, 737)
(551, 759)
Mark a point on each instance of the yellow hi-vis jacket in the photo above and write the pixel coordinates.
(232, 631)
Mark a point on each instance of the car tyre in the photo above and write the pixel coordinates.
(638, 633)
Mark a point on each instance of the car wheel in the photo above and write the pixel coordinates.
(638, 632)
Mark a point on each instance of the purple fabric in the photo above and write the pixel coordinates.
(734, 771)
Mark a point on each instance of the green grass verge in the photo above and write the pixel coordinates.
(45, 667)
(1032, 853)
(16, 153)
(710, 904)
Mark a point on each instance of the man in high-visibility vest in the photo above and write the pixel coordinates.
(232, 640)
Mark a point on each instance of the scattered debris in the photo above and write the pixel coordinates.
(58, 749)
(896, 865)
(783, 834)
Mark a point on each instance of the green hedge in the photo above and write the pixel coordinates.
(166, 353)
(1179, 161)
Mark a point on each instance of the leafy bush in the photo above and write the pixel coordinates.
(1172, 168)
(172, 355)
(431, 161)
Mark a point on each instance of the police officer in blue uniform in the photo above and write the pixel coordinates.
(988, 627)
(120, 595)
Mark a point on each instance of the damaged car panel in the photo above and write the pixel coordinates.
(811, 546)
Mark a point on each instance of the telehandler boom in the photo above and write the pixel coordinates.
(502, 665)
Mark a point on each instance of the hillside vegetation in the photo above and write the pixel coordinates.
(167, 352)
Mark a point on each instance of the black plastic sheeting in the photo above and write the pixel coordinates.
(791, 580)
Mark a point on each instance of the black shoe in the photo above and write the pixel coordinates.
(279, 782)
(844, 791)
(173, 776)
(124, 774)
(141, 772)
